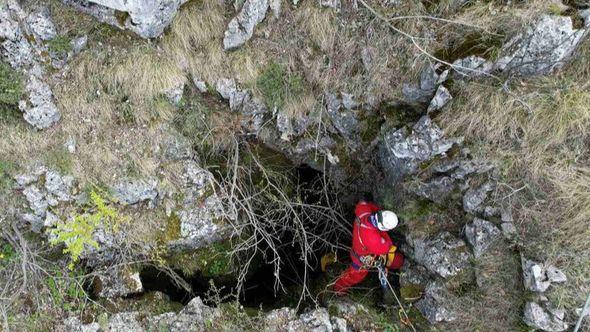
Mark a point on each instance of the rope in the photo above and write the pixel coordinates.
(579, 324)
(384, 283)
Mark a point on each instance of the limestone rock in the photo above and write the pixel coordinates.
(278, 319)
(475, 197)
(125, 322)
(174, 94)
(79, 44)
(59, 186)
(73, 324)
(544, 47)
(41, 24)
(441, 98)
(544, 318)
(473, 66)
(437, 190)
(117, 282)
(443, 254)
(413, 94)
(402, 151)
(133, 191)
(481, 234)
(317, 320)
(199, 209)
(243, 102)
(241, 28)
(509, 231)
(40, 110)
(147, 18)
(435, 304)
(334, 4)
(538, 277)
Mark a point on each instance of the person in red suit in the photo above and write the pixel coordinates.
(369, 240)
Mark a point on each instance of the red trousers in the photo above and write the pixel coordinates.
(352, 276)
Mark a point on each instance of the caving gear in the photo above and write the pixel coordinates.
(384, 220)
(371, 247)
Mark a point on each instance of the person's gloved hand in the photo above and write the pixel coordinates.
(391, 255)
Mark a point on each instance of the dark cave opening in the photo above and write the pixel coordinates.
(259, 288)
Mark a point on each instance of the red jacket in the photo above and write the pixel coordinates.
(366, 238)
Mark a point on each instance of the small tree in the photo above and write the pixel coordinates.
(77, 233)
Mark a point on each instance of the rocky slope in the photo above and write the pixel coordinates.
(184, 152)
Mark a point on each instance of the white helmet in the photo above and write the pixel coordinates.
(386, 220)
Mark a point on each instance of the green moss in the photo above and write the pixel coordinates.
(60, 46)
(370, 128)
(411, 293)
(277, 85)
(212, 261)
(172, 231)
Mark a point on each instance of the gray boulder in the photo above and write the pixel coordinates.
(199, 209)
(125, 322)
(241, 28)
(317, 320)
(117, 282)
(475, 197)
(40, 110)
(444, 254)
(440, 99)
(473, 66)
(538, 277)
(41, 25)
(481, 234)
(74, 324)
(437, 190)
(243, 102)
(133, 191)
(543, 48)
(402, 151)
(147, 18)
(435, 304)
(544, 317)
(334, 4)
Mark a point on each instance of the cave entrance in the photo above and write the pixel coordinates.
(318, 212)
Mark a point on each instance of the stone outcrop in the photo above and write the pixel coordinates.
(538, 277)
(147, 18)
(241, 28)
(402, 150)
(435, 304)
(544, 47)
(117, 282)
(242, 101)
(196, 316)
(199, 210)
(23, 35)
(481, 234)
(44, 188)
(544, 317)
(443, 254)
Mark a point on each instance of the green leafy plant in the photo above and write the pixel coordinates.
(276, 85)
(76, 233)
